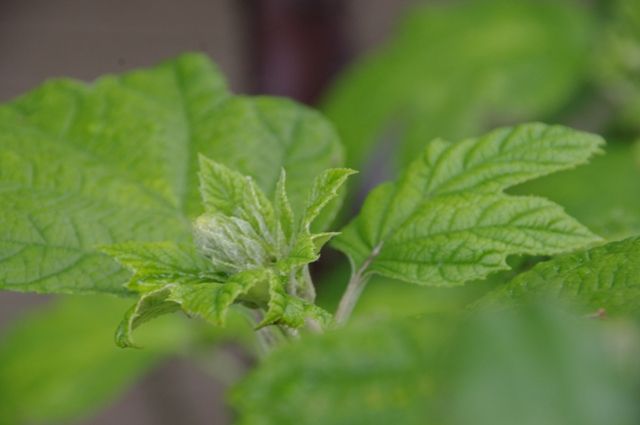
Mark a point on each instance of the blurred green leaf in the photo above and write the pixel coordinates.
(374, 373)
(83, 165)
(537, 365)
(618, 60)
(605, 277)
(604, 194)
(531, 366)
(59, 363)
(454, 70)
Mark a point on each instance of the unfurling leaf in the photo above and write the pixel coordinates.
(448, 221)
(325, 188)
(247, 251)
(155, 264)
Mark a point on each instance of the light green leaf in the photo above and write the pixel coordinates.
(325, 188)
(150, 305)
(604, 195)
(616, 61)
(288, 310)
(227, 192)
(378, 373)
(210, 301)
(453, 69)
(303, 252)
(158, 263)
(605, 277)
(538, 365)
(259, 136)
(85, 165)
(284, 215)
(232, 244)
(238, 259)
(320, 239)
(447, 221)
(306, 246)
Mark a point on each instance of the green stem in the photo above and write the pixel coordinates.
(351, 296)
(354, 289)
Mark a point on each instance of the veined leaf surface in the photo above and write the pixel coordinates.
(447, 220)
(83, 165)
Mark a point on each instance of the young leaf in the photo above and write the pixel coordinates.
(212, 301)
(237, 257)
(447, 220)
(232, 244)
(605, 277)
(208, 300)
(285, 218)
(85, 165)
(325, 188)
(284, 309)
(160, 263)
(259, 136)
(227, 192)
(150, 305)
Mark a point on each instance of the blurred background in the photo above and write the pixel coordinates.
(391, 75)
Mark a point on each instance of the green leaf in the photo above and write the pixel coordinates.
(284, 309)
(447, 221)
(150, 305)
(285, 218)
(453, 69)
(325, 188)
(229, 193)
(232, 244)
(210, 301)
(158, 263)
(605, 277)
(604, 195)
(242, 256)
(538, 365)
(535, 365)
(377, 373)
(259, 136)
(85, 165)
(58, 364)
(616, 61)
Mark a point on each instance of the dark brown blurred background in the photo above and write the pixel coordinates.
(283, 47)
